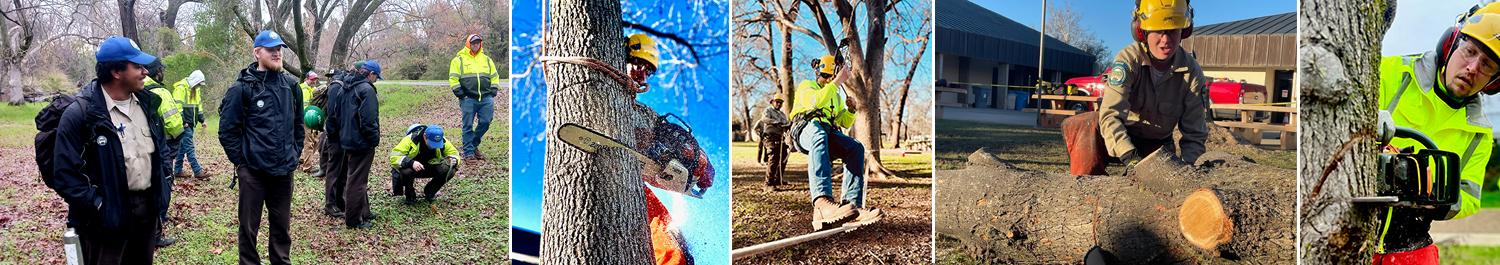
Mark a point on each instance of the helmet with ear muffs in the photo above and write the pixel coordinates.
(1151, 15)
(1481, 25)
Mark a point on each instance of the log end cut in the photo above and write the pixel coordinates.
(1203, 220)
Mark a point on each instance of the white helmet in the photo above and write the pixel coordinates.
(195, 79)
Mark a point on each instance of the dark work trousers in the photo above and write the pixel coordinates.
(1087, 154)
(357, 186)
(331, 158)
(135, 243)
(166, 184)
(776, 154)
(407, 180)
(260, 189)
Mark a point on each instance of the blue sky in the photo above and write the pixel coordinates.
(1110, 20)
(696, 90)
(1419, 24)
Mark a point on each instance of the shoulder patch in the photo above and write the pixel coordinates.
(1116, 74)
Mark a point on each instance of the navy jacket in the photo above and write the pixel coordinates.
(89, 162)
(358, 115)
(260, 122)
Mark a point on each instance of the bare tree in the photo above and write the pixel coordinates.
(1063, 24)
(595, 212)
(1340, 53)
(169, 16)
(918, 38)
(359, 12)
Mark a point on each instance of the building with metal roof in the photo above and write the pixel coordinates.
(1261, 50)
(982, 54)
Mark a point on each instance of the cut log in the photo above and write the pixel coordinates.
(1162, 212)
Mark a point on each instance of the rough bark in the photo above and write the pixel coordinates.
(127, 19)
(359, 11)
(1340, 51)
(1003, 214)
(169, 16)
(595, 212)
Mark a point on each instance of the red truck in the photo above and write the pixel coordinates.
(1220, 91)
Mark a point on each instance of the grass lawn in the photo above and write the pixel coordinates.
(467, 224)
(1460, 254)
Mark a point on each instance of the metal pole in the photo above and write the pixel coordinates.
(1041, 54)
(749, 251)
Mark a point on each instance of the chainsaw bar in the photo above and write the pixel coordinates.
(590, 141)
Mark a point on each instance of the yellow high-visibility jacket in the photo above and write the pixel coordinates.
(828, 99)
(472, 76)
(171, 113)
(1407, 84)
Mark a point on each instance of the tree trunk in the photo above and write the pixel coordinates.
(596, 213)
(169, 16)
(359, 12)
(127, 20)
(1340, 52)
(899, 122)
(1234, 212)
(15, 90)
(787, 86)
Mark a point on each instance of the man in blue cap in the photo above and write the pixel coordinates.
(358, 120)
(423, 153)
(260, 127)
(107, 162)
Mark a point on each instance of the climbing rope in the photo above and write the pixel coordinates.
(596, 65)
(591, 63)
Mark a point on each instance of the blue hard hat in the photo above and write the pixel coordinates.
(268, 39)
(117, 48)
(434, 135)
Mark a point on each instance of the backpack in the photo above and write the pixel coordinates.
(320, 95)
(46, 137)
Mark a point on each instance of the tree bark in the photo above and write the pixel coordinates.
(169, 16)
(359, 12)
(1340, 53)
(785, 83)
(1003, 214)
(596, 213)
(127, 19)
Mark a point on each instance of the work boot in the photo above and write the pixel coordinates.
(868, 215)
(827, 214)
(335, 213)
(361, 225)
(317, 173)
(204, 175)
(182, 175)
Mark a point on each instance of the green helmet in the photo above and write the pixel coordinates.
(312, 117)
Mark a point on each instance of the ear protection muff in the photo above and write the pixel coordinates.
(1140, 35)
(1448, 43)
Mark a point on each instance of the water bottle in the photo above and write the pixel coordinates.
(72, 248)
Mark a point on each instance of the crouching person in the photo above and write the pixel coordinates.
(423, 153)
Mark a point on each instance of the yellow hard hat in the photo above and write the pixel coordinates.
(1163, 14)
(643, 47)
(1484, 27)
(825, 64)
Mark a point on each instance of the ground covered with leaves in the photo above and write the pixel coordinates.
(762, 215)
(467, 224)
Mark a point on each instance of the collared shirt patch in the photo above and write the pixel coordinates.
(1116, 75)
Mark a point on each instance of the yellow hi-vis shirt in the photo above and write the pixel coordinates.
(828, 99)
(1407, 84)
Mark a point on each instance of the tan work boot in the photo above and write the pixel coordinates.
(827, 214)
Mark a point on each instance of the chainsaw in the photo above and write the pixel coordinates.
(1426, 178)
(671, 161)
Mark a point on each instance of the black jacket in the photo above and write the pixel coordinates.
(89, 162)
(260, 121)
(358, 114)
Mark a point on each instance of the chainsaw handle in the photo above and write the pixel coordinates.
(1409, 133)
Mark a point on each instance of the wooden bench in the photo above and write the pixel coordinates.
(1251, 130)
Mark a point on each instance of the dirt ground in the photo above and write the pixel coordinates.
(762, 215)
(466, 225)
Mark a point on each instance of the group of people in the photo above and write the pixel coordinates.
(117, 145)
